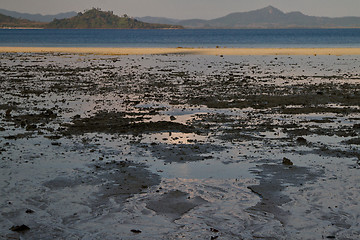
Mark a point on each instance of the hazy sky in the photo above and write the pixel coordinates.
(184, 9)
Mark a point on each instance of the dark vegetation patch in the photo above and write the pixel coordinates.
(355, 141)
(30, 121)
(117, 122)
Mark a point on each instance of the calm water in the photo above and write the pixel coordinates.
(181, 38)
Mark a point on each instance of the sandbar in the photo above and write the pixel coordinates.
(180, 50)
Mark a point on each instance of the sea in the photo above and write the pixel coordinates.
(249, 38)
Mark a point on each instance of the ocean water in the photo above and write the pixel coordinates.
(180, 38)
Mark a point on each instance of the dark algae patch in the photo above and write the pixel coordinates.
(115, 122)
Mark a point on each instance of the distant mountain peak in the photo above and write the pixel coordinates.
(271, 10)
(270, 7)
(269, 18)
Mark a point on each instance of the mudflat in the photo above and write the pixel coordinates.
(170, 146)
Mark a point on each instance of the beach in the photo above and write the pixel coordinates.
(181, 50)
(179, 143)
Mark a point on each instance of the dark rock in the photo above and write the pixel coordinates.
(31, 127)
(23, 124)
(301, 140)
(21, 228)
(48, 113)
(287, 161)
(135, 231)
(29, 211)
(8, 113)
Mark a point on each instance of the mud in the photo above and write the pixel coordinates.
(274, 178)
(178, 146)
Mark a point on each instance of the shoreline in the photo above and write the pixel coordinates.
(180, 50)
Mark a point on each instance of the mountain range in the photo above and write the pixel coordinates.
(269, 17)
(37, 17)
(7, 21)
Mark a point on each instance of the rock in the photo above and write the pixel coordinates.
(301, 140)
(172, 118)
(287, 161)
(21, 228)
(23, 124)
(48, 113)
(31, 127)
(135, 231)
(8, 113)
(29, 211)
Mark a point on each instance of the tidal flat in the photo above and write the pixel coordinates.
(179, 146)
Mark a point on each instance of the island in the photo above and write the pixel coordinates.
(94, 18)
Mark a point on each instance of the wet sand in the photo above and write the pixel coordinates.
(180, 50)
(179, 146)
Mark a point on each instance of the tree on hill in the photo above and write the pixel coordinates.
(95, 18)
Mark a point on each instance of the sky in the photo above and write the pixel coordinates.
(185, 9)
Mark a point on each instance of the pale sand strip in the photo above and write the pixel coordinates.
(194, 51)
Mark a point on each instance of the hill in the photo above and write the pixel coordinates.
(95, 18)
(37, 17)
(11, 22)
(269, 17)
